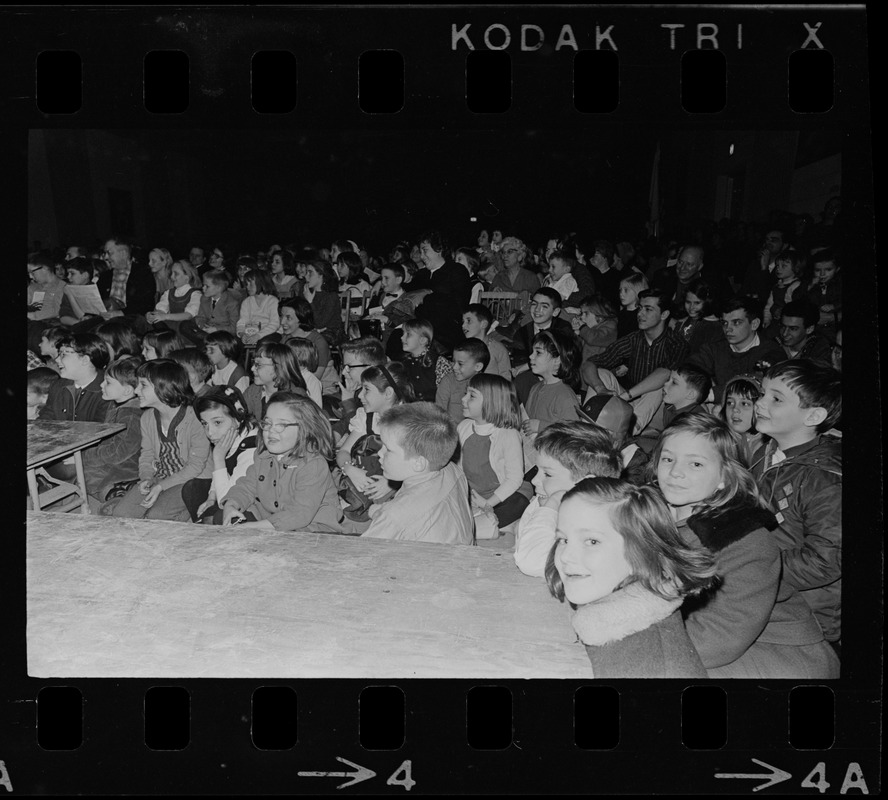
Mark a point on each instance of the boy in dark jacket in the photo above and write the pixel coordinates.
(799, 474)
(116, 458)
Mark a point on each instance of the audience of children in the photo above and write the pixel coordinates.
(774, 609)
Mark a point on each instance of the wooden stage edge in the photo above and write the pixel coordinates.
(117, 598)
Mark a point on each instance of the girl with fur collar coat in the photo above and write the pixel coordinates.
(619, 560)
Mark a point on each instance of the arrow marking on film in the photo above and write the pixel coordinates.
(776, 775)
(362, 774)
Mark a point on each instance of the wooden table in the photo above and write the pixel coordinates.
(110, 597)
(51, 440)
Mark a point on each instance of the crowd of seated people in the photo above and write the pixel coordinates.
(684, 396)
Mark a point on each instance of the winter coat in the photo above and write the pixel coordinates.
(805, 492)
(64, 402)
(753, 625)
(634, 633)
(293, 494)
(117, 457)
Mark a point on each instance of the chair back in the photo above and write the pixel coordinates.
(502, 304)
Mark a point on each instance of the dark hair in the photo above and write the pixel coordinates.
(330, 281)
(121, 338)
(305, 351)
(803, 309)
(824, 255)
(817, 383)
(396, 269)
(170, 381)
(604, 247)
(563, 347)
(481, 311)
(41, 259)
(217, 276)
(286, 370)
(664, 301)
(436, 241)
(696, 379)
(303, 311)
(352, 261)
(476, 349)
(229, 345)
(287, 260)
(703, 292)
(749, 305)
(80, 264)
(661, 560)
(583, 448)
(89, 345)
(194, 358)
(425, 431)
(344, 246)
(560, 255)
(163, 342)
(125, 370)
(231, 400)
(747, 387)
(55, 333)
(551, 294)
(394, 375)
(263, 280)
(41, 378)
(796, 260)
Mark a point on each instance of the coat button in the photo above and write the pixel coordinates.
(275, 504)
(261, 477)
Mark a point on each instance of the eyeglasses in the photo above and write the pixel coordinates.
(257, 364)
(36, 269)
(277, 427)
(346, 367)
(65, 353)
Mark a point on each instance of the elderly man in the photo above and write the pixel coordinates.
(674, 281)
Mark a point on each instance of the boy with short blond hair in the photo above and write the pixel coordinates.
(432, 505)
(799, 474)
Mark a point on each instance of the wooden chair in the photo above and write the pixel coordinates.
(352, 313)
(502, 304)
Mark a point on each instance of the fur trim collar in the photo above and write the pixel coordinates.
(724, 526)
(620, 614)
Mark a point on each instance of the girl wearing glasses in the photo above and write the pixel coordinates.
(274, 369)
(288, 487)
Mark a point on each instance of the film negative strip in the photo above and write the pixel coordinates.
(138, 659)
